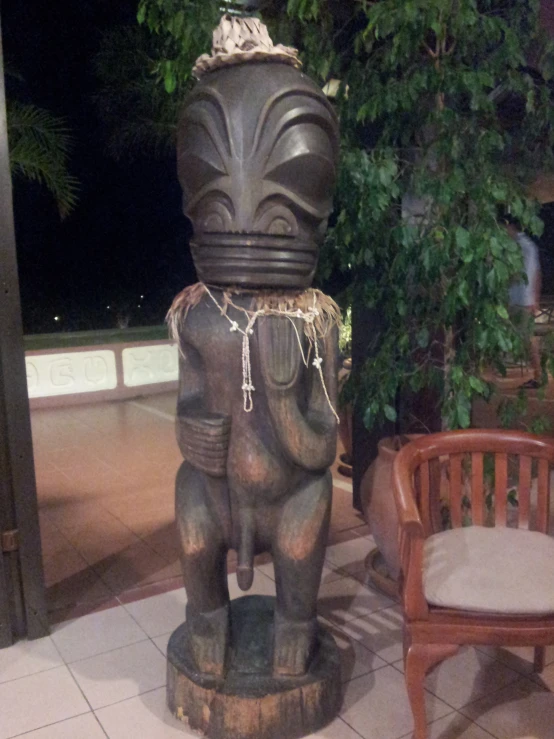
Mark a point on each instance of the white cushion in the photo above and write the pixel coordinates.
(490, 570)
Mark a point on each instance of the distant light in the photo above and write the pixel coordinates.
(56, 318)
(107, 307)
(138, 306)
(142, 297)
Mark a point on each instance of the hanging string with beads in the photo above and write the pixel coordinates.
(308, 317)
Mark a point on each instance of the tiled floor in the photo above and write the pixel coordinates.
(105, 477)
(103, 674)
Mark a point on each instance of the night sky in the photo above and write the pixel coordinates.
(127, 236)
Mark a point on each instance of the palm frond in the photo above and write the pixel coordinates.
(39, 147)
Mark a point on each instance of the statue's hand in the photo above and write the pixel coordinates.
(280, 356)
(203, 439)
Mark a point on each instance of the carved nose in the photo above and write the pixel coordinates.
(245, 203)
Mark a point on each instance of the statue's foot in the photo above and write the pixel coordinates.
(208, 635)
(293, 645)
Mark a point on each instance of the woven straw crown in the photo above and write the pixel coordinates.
(238, 40)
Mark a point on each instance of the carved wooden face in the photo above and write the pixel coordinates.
(258, 147)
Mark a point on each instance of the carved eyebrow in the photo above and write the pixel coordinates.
(295, 117)
(290, 116)
(224, 147)
(211, 187)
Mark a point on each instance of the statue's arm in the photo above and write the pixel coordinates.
(306, 427)
(203, 437)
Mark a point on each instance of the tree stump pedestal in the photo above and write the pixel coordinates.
(250, 702)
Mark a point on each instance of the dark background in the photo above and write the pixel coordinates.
(127, 237)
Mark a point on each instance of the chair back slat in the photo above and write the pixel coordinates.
(477, 497)
(500, 489)
(435, 478)
(425, 500)
(543, 496)
(456, 490)
(524, 492)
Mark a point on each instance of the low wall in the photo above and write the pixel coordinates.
(85, 367)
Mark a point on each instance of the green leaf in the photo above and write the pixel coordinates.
(462, 238)
(502, 312)
(390, 412)
(170, 82)
(478, 385)
(463, 409)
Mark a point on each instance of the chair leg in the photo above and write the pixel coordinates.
(418, 661)
(538, 662)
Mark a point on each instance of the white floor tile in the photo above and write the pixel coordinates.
(380, 631)
(346, 599)
(80, 727)
(544, 678)
(356, 660)
(522, 710)
(27, 658)
(262, 585)
(160, 613)
(99, 632)
(467, 676)
(377, 706)
(161, 642)
(335, 730)
(38, 700)
(121, 674)
(350, 553)
(454, 726)
(518, 658)
(144, 717)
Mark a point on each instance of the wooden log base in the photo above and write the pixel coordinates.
(250, 702)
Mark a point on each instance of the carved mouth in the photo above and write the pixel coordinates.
(254, 259)
(252, 240)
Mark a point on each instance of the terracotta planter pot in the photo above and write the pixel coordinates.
(378, 503)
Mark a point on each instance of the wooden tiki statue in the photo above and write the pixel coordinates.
(257, 158)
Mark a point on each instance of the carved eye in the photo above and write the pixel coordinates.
(213, 214)
(277, 220)
(280, 227)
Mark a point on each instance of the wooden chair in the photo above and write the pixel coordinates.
(489, 577)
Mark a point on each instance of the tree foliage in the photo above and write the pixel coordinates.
(137, 113)
(438, 103)
(39, 145)
(459, 122)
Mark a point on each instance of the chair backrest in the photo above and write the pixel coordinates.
(482, 477)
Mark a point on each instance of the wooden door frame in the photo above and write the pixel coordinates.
(22, 599)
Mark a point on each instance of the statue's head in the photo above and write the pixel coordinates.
(257, 158)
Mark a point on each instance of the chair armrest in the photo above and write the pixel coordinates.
(411, 541)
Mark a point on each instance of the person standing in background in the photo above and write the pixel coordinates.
(525, 297)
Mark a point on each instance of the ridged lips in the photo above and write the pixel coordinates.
(254, 260)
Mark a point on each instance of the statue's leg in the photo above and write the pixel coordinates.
(203, 559)
(298, 553)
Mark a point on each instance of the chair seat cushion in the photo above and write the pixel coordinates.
(490, 570)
